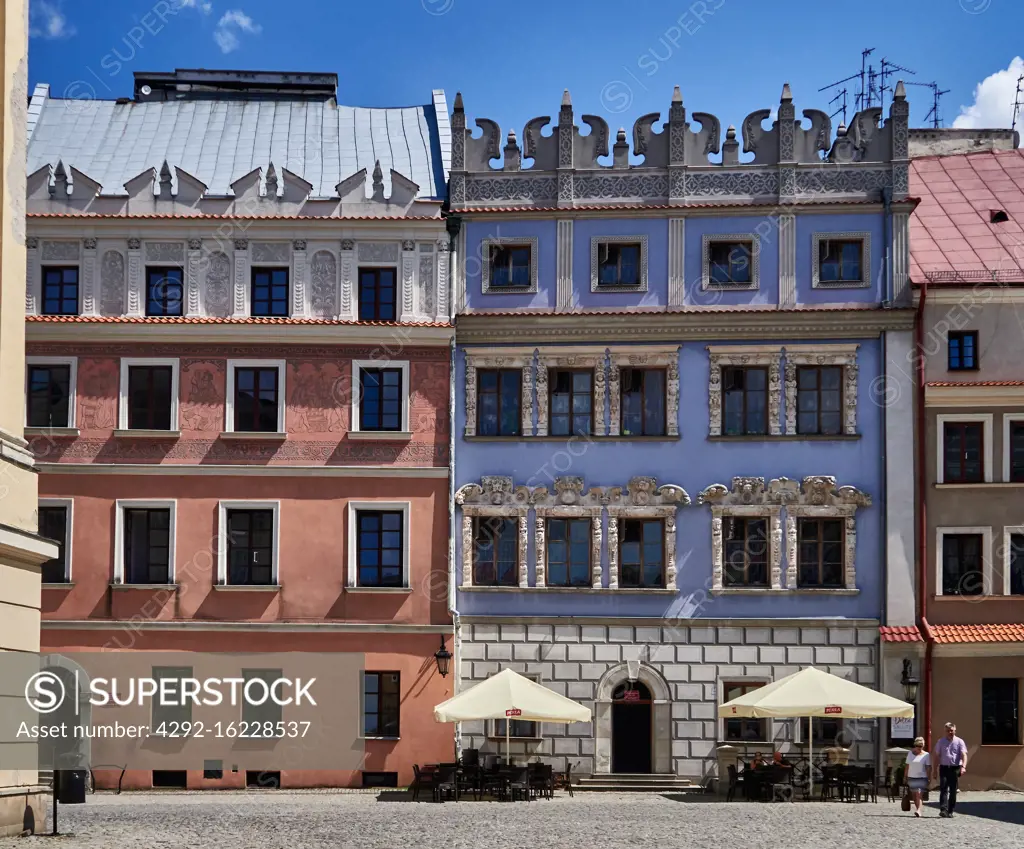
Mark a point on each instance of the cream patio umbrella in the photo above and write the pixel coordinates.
(812, 692)
(509, 695)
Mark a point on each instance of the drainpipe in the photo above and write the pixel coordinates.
(922, 516)
(454, 225)
(884, 359)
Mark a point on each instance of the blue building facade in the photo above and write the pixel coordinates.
(671, 456)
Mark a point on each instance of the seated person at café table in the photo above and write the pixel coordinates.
(758, 761)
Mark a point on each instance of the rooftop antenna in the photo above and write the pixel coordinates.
(1017, 102)
(842, 107)
(933, 114)
(863, 99)
(887, 69)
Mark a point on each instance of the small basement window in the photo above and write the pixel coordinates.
(176, 778)
(380, 779)
(997, 216)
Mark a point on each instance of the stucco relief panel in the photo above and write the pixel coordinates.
(203, 385)
(97, 387)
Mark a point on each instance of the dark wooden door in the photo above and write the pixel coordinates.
(631, 729)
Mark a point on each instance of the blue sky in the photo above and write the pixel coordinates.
(619, 58)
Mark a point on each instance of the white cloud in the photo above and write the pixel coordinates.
(47, 20)
(233, 23)
(201, 5)
(993, 99)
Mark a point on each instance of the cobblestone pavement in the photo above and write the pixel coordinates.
(312, 820)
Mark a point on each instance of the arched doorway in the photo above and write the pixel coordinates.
(632, 726)
(659, 716)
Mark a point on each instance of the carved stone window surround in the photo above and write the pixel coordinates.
(708, 239)
(567, 501)
(823, 355)
(485, 264)
(495, 495)
(500, 358)
(865, 259)
(595, 249)
(745, 355)
(640, 357)
(574, 358)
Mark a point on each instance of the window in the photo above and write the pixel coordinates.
(377, 294)
(820, 553)
(49, 395)
(1015, 557)
(962, 452)
(150, 397)
(743, 728)
(382, 702)
(643, 402)
(642, 553)
(962, 564)
(568, 552)
(379, 547)
(164, 291)
(730, 262)
(499, 401)
(213, 770)
(257, 399)
(1000, 712)
(1016, 449)
(572, 401)
(840, 261)
(519, 728)
(827, 732)
(381, 399)
(744, 400)
(509, 265)
(270, 292)
(250, 547)
(60, 290)
(495, 551)
(618, 264)
(146, 538)
(819, 398)
(962, 348)
(746, 552)
(54, 525)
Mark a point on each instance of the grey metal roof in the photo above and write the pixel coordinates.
(219, 141)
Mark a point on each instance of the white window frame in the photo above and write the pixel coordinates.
(708, 239)
(940, 429)
(229, 401)
(72, 363)
(122, 391)
(352, 573)
(120, 505)
(986, 557)
(595, 249)
(222, 540)
(69, 506)
(865, 259)
(357, 367)
(485, 264)
(1008, 419)
(1008, 531)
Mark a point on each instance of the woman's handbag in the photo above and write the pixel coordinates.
(905, 804)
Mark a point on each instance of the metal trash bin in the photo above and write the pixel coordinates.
(71, 785)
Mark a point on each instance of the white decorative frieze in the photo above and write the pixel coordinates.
(722, 356)
(500, 358)
(666, 359)
(64, 251)
(165, 252)
(270, 253)
(378, 252)
(844, 356)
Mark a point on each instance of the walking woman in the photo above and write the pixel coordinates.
(918, 770)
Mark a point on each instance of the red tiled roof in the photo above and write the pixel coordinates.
(952, 238)
(138, 319)
(978, 633)
(900, 634)
(977, 383)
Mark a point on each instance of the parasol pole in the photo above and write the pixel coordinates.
(508, 752)
(810, 757)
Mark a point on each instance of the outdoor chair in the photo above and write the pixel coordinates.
(779, 783)
(542, 780)
(470, 780)
(831, 787)
(421, 778)
(858, 781)
(470, 757)
(446, 783)
(518, 784)
(735, 783)
(563, 781)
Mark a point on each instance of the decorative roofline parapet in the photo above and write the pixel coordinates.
(791, 163)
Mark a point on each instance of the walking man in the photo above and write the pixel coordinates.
(950, 761)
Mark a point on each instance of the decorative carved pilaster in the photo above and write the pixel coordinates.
(524, 549)
(823, 355)
(900, 256)
(193, 298)
(563, 278)
(743, 355)
(240, 295)
(775, 552)
(425, 289)
(443, 279)
(787, 261)
(33, 277)
(90, 301)
(566, 500)
(135, 283)
(542, 399)
(540, 547)
(595, 551)
(717, 549)
(349, 302)
(850, 554)
(299, 308)
(791, 553)
(599, 393)
(614, 397)
(467, 550)
(676, 266)
(408, 279)
(613, 552)
(670, 551)
(471, 410)
(526, 427)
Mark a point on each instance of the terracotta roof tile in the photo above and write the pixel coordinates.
(900, 634)
(132, 319)
(978, 633)
(977, 383)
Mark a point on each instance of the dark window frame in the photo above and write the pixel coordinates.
(821, 542)
(760, 726)
(727, 264)
(818, 392)
(263, 280)
(389, 715)
(155, 571)
(61, 295)
(956, 350)
(823, 255)
(254, 413)
(644, 521)
(748, 560)
(375, 304)
(570, 563)
(953, 548)
(509, 524)
(151, 409)
(728, 373)
(44, 525)
(382, 373)
(1007, 718)
(34, 401)
(961, 427)
(553, 373)
(157, 295)
(379, 548)
(1015, 558)
(1016, 440)
(501, 374)
(612, 260)
(241, 540)
(647, 428)
(501, 258)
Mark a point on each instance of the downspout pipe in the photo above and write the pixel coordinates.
(922, 515)
(884, 359)
(454, 226)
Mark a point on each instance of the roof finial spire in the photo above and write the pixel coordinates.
(566, 100)
(378, 182)
(677, 96)
(787, 94)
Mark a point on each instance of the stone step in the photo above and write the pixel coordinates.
(637, 783)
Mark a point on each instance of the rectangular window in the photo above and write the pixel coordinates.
(256, 399)
(568, 552)
(827, 732)
(820, 553)
(962, 452)
(1016, 558)
(510, 266)
(819, 400)
(270, 292)
(1000, 712)
(60, 290)
(49, 396)
(643, 401)
(379, 547)
(149, 397)
(1017, 452)
(377, 294)
(572, 402)
(380, 399)
(746, 552)
(499, 400)
(250, 547)
(730, 262)
(147, 545)
(53, 524)
(642, 553)
(495, 551)
(164, 291)
(382, 702)
(519, 728)
(744, 401)
(618, 264)
(962, 349)
(742, 728)
(213, 770)
(839, 260)
(962, 564)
